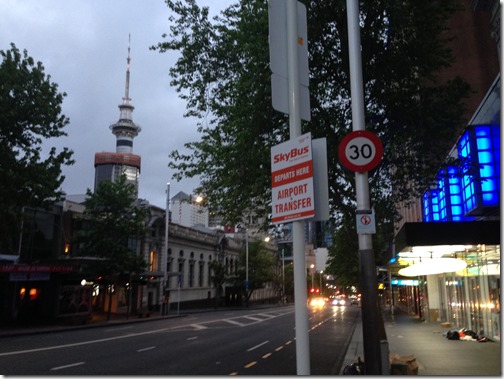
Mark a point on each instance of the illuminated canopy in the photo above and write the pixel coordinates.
(433, 266)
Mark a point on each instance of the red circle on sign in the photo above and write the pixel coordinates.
(360, 151)
(365, 220)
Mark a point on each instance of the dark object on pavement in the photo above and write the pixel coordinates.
(356, 368)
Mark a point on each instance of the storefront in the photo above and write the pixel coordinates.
(455, 253)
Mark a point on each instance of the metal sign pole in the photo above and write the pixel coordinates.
(367, 269)
(300, 296)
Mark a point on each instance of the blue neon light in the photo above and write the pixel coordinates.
(450, 195)
(464, 192)
(431, 206)
(481, 187)
(405, 282)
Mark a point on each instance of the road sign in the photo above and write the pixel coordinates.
(278, 41)
(292, 180)
(360, 151)
(365, 221)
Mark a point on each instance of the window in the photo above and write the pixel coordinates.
(181, 272)
(200, 273)
(153, 261)
(209, 278)
(191, 274)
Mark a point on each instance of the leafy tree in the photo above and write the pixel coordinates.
(219, 269)
(30, 114)
(262, 268)
(223, 74)
(113, 225)
(288, 281)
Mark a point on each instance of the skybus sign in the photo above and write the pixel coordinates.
(292, 180)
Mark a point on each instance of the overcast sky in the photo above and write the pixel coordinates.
(83, 45)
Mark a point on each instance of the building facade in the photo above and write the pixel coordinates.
(457, 222)
(186, 211)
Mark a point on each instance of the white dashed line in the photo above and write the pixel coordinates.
(67, 366)
(146, 348)
(256, 346)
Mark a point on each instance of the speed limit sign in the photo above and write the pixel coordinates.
(360, 151)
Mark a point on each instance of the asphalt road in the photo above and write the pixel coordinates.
(243, 342)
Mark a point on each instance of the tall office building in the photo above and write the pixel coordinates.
(109, 166)
(186, 212)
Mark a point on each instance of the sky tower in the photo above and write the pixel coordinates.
(109, 166)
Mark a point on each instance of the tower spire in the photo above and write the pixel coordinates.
(125, 129)
(126, 97)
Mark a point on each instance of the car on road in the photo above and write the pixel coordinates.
(338, 301)
(317, 302)
(354, 300)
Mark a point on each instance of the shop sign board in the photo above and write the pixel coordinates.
(36, 268)
(292, 180)
(28, 276)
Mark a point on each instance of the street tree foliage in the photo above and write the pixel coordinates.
(113, 226)
(261, 268)
(30, 114)
(223, 75)
(219, 270)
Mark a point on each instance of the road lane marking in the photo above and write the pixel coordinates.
(81, 343)
(130, 335)
(257, 346)
(266, 355)
(233, 322)
(253, 318)
(199, 326)
(192, 338)
(250, 364)
(279, 348)
(267, 315)
(146, 348)
(67, 366)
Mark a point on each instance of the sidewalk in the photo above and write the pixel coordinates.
(434, 353)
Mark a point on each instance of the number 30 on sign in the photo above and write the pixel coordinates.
(360, 151)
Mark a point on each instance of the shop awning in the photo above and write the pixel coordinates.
(447, 233)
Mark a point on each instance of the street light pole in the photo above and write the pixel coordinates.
(166, 304)
(311, 270)
(246, 266)
(283, 276)
(321, 272)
